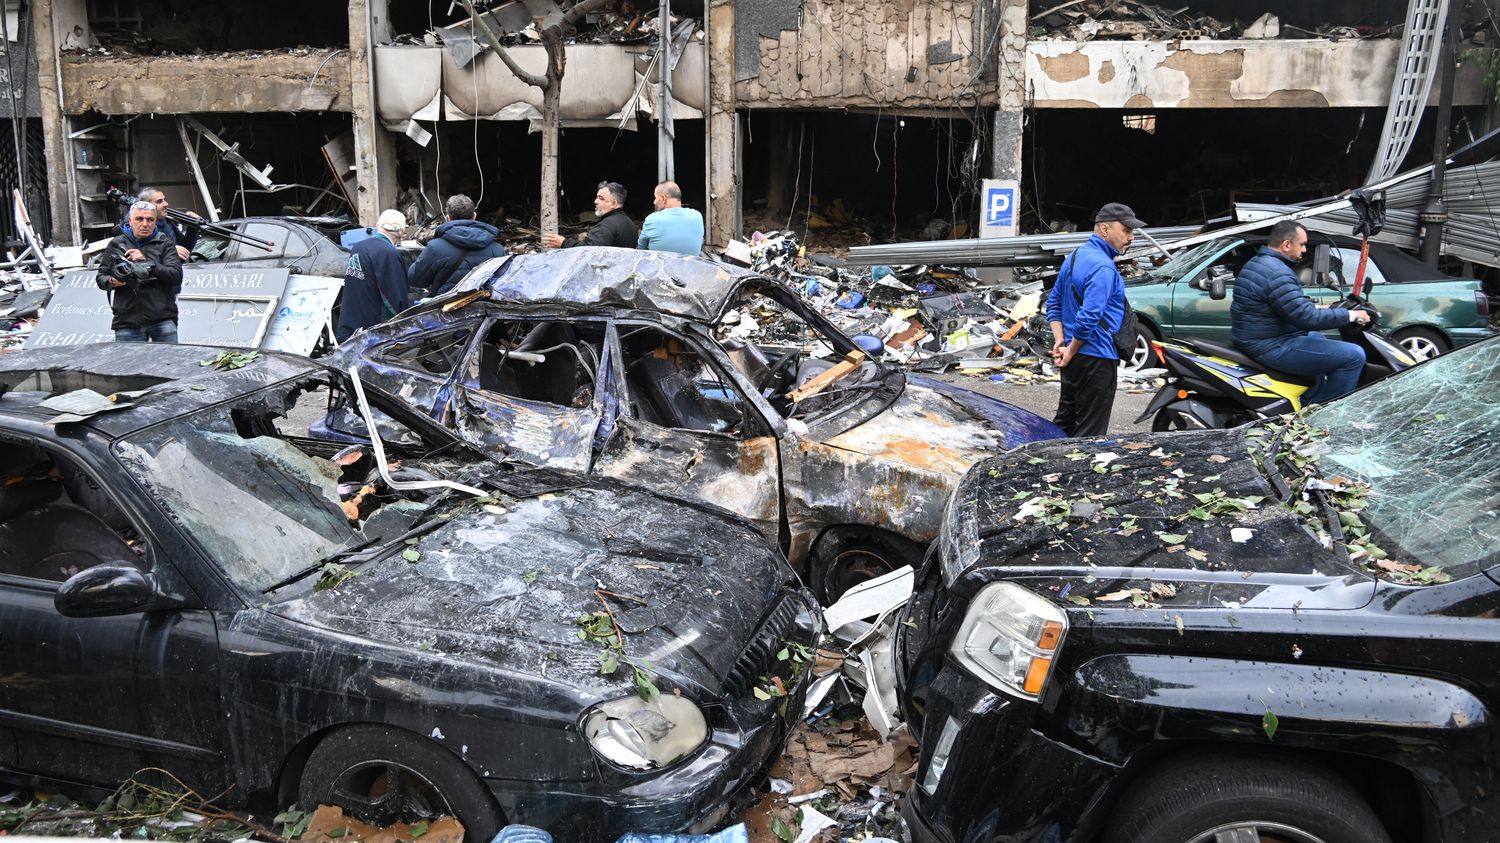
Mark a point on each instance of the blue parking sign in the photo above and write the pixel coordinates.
(999, 205)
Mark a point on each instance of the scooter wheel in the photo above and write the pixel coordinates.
(1170, 419)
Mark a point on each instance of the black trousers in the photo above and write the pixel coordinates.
(1087, 396)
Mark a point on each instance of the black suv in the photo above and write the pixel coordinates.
(1282, 632)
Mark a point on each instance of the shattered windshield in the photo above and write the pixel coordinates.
(265, 505)
(1425, 443)
(1183, 262)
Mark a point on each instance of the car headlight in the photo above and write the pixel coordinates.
(1010, 639)
(645, 735)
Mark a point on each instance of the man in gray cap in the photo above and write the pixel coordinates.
(1085, 309)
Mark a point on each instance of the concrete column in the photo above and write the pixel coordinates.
(374, 147)
(1005, 154)
(51, 20)
(723, 130)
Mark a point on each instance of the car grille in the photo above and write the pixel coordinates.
(760, 654)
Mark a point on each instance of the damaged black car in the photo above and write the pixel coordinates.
(1282, 632)
(401, 628)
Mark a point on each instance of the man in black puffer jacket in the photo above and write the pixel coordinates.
(462, 243)
(142, 274)
(1276, 323)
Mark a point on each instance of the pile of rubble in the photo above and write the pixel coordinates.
(22, 298)
(927, 318)
(1087, 20)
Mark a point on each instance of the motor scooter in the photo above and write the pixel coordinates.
(1211, 385)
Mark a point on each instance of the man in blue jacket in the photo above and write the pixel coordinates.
(374, 279)
(462, 243)
(1276, 323)
(1085, 309)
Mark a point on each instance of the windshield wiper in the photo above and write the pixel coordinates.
(1272, 469)
(336, 556)
(1324, 500)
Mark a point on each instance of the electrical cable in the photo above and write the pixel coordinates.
(797, 183)
(477, 166)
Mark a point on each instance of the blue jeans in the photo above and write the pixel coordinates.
(1336, 364)
(163, 331)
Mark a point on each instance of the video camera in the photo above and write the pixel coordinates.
(133, 273)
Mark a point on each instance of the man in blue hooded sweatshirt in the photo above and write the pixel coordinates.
(1085, 308)
(462, 243)
(375, 278)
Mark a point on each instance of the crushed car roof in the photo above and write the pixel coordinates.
(605, 277)
(175, 377)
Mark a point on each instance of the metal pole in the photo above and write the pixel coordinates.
(665, 160)
(1435, 213)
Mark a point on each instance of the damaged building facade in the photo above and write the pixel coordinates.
(879, 118)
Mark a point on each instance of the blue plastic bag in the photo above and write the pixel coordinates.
(733, 834)
(521, 834)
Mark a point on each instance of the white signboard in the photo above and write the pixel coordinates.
(999, 207)
(305, 308)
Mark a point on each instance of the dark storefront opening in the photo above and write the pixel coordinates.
(498, 164)
(1182, 166)
(843, 179)
(192, 26)
(34, 185)
(290, 143)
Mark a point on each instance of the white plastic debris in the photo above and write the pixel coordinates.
(1241, 534)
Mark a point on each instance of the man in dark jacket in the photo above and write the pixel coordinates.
(142, 274)
(614, 228)
(1085, 309)
(462, 243)
(1276, 323)
(374, 279)
(182, 236)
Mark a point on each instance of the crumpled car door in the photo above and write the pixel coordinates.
(685, 430)
(533, 421)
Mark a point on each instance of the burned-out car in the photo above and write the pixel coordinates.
(1284, 632)
(655, 367)
(403, 629)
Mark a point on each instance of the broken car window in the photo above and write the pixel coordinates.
(55, 520)
(553, 362)
(435, 354)
(787, 353)
(1183, 262)
(671, 385)
(1425, 443)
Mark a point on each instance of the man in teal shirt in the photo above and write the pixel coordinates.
(672, 228)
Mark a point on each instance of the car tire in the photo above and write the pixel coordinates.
(1209, 799)
(1144, 336)
(353, 768)
(1422, 343)
(845, 557)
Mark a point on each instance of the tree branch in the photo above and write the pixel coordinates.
(494, 43)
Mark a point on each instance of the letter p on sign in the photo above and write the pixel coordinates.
(998, 213)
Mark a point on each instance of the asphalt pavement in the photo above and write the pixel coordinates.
(1041, 398)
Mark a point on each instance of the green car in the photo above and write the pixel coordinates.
(1427, 312)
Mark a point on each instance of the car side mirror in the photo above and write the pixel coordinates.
(110, 589)
(1218, 282)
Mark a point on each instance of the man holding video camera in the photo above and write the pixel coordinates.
(142, 274)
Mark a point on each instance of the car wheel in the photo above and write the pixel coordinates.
(1422, 343)
(1144, 336)
(1243, 798)
(844, 558)
(381, 775)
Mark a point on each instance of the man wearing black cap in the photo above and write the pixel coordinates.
(1085, 308)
